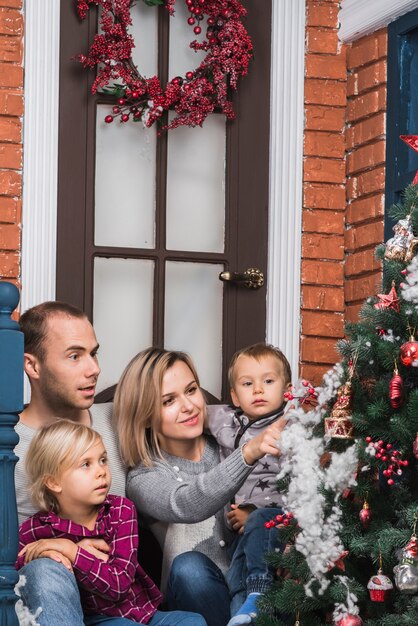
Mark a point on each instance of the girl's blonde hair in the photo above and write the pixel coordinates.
(137, 403)
(54, 449)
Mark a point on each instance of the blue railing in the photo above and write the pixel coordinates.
(11, 404)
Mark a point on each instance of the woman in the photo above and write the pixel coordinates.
(176, 480)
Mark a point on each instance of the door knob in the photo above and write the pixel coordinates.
(252, 278)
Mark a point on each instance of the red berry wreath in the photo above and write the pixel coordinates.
(228, 50)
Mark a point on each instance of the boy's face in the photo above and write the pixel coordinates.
(259, 385)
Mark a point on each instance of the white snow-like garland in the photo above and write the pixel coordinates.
(409, 288)
(24, 616)
(318, 539)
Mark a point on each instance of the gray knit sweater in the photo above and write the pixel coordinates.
(181, 501)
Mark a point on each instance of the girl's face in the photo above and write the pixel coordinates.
(183, 408)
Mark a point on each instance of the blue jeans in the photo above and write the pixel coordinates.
(197, 584)
(160, 618)
(249, 571)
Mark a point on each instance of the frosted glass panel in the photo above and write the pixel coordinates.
(122, 313)
(196, 187)
(181, 57)
(125, 183)
(193, 317)
(144, 30)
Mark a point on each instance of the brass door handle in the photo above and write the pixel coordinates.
(252, 278)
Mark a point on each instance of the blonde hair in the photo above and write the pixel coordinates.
(54, 449)
(258, 351)
(137, 403)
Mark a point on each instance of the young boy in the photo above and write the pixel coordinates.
(259, 375)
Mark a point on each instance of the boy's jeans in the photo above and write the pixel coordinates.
(249, 571)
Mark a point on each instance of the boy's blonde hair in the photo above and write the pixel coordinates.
(138, 401)
(257, 351)
(54, 449)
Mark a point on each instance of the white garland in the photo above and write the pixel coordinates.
(318, 539)
(24, 616)
(350, 607)
(410, 287)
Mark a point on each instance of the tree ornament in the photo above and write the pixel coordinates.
(396, 390)
(350, 620)
(408, 352)
(208, 88)
(388, 301)
(412, 141)
(379, 586)
(406, 572)
(415, 447)
(339, 425)
(401, 247)
(365, 515)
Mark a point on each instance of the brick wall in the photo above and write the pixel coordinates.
(324, 198)
(11, 112)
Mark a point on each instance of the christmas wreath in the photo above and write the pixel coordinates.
(201, 91)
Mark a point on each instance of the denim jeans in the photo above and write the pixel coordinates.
(160, 618)
(197, 584)
(249, 571)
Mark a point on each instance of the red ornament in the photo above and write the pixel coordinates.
(365, 515)
(396, 390)
(408, 352)
(415, 447)
(388, 301)
(350, 620)
(412, 141)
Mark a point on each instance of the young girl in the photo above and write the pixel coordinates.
(177, 480)
(93, 534)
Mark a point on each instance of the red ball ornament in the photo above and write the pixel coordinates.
(189, 75)
(350, 620)
(365, 515)
(108, 119)
(197, 30)
(408, 352)
(396, 390)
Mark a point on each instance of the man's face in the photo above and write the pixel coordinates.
(67, 376)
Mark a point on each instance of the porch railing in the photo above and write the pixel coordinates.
(11, 404)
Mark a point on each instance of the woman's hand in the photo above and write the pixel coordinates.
(264, 443)
(96, 547)
(58, 557)
(36, 549)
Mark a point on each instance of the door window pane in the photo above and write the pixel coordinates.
(144, 30)
(122, 313)
(196, 187)
(125, 183)
(193, 317)
(181, 57)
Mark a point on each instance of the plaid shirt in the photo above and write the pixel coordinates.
(118, 587)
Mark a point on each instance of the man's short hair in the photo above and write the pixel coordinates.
(33, 323)
(258, 351)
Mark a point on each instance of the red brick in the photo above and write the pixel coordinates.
(366, 105)
(317, 143)
(11, 75)
(9, 237)
(322, 272)
(11, 49)
(318, 297)
(11, 156)
(366, 183)
(313, 373)
(366, 208)
(10, 210)
(324, 170)
(321, 221)
(361, 262)
(11, 103)
(10, 129)
(10, 183)
(324, 118)
(352, 312)
(11, 4)
(367, 49)
(325, 92)
(367, 78)
(11, 22)
(319, 14)
(358, 289)
(322, 40)
(322, 324)
(9, 265)
(366, 130)
(358, 237)
(318, 350)
(324, 196)
(326, 66)
(322, 246)
(367, 156)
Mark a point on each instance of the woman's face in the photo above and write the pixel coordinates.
(182, 407)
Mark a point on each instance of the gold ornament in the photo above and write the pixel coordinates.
(339, 425)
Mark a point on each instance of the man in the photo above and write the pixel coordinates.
(61, 363)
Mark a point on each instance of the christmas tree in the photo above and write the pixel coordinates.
(349, 477)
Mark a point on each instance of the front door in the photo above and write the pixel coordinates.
(147, 223)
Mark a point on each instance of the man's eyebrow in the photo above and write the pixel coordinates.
(82, 348)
